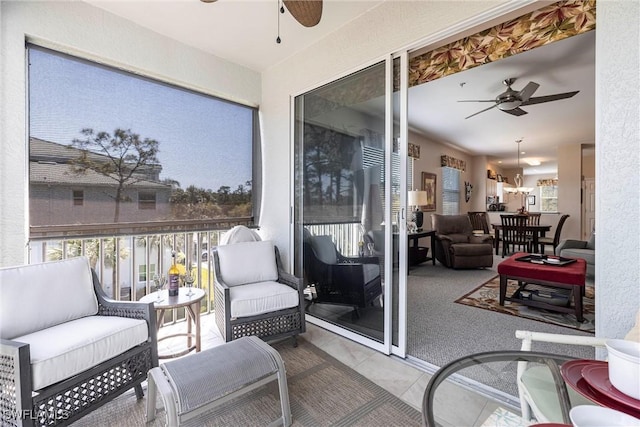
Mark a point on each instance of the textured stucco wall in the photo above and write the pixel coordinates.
(617, 167)
(79, 28)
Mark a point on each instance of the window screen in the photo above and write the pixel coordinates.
(140, 149)
(450, 191)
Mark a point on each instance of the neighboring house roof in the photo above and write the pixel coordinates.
(49, 163)
(60, 173)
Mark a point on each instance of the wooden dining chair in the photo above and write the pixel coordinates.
(556, 237)
(514, 233)
(532, 219)
(479, 221)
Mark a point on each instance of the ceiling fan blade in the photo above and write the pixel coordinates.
(528, 90)
(549, 98)
(478, 100)
(516, 112)
(482, 111)
(306, 12)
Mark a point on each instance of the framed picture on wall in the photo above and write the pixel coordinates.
(429, 185)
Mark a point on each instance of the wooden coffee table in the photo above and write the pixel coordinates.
(569, 277)
(192, 306)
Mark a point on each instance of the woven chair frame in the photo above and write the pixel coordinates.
(67, 401)
(268, 326)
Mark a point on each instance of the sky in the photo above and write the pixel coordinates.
(202, 141)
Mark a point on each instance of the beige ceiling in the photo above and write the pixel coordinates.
(241, 31)
(244, 32)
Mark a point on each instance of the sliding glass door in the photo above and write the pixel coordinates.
(346, 205)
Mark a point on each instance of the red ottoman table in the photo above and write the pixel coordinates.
(570, 277)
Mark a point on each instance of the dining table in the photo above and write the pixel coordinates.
(536, 231)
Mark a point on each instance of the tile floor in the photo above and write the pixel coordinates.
(395, 375)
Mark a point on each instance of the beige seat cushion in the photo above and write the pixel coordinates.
(263, 297)
(70, 348)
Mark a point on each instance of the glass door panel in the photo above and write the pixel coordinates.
(340, 201)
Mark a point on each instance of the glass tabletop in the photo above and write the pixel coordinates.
(496, 388)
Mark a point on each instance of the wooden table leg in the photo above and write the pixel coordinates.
(503, 288)
(577, 301)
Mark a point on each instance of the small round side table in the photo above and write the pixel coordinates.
(191, 303)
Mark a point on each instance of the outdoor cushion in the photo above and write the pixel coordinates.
(247, 262)
(64, 350)
(370, 272)
(325, 249)
(239, 233)
(264, 297)
(66, 287)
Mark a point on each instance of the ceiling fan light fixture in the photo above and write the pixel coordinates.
(509, 105)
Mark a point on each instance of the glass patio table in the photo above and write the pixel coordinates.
(483, 390)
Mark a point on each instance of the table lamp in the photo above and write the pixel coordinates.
(417, 199)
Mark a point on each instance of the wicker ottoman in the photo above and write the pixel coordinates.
(198, 383)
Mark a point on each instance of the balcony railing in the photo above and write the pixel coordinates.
(127, 256)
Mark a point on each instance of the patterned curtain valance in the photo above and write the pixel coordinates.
(452, 162)
(547, 182)
(551, 23)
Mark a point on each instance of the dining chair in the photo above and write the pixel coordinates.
(479, 221)
(555, 241)
(514, 233)
(532, 219)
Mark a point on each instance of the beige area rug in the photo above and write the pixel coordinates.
(322, 392)
(487, 297)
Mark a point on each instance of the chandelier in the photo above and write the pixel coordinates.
(519, 189)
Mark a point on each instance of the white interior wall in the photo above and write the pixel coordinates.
(81, 29)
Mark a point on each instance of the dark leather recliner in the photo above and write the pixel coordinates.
(456, 246)
(353, 281)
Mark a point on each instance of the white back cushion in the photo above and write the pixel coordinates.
(35, 297)
(238, 234)
(247, 262)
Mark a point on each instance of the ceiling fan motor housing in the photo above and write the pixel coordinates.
(508, 100)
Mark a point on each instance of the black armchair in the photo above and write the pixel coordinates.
(353, 281)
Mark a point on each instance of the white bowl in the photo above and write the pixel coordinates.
(598, 416)
(624, 366)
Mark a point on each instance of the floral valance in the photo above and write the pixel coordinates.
(547, 182)
(452, 162)
(551, 23)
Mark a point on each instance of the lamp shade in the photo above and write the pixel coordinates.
(417, 198)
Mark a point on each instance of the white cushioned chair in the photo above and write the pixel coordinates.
(66, 347)
(254, 295)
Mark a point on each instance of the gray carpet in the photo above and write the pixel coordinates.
(440, 331)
